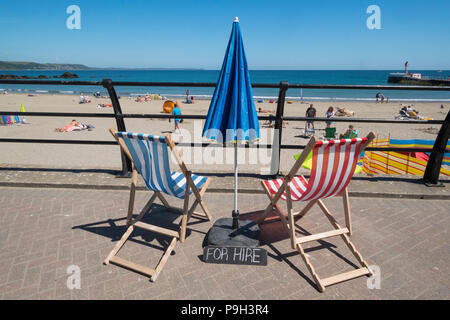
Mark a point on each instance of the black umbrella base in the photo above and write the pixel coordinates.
(222, 233)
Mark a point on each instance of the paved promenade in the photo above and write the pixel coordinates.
(53, 219)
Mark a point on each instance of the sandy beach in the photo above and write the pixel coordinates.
(107, 157)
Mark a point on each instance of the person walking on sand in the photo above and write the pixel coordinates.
(176, 112)
(310, 113)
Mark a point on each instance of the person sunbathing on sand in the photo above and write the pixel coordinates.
(272, 117)
(70, 127)
(104, 105)
(344, 112)
(266, 111)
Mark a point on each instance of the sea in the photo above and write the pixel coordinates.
(360, 77)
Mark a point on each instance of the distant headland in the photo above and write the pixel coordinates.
(23, 65)
(26, 65)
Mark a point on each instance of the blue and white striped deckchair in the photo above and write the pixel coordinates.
(150, 157)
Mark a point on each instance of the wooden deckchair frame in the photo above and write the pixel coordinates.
(288, 221)
(186, 212)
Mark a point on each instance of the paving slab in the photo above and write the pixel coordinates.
(47, 232)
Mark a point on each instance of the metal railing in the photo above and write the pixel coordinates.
(431, 173)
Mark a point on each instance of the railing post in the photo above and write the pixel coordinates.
(126, 163)
(275, 168)
(431, 175)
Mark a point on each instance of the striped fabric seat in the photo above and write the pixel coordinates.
(333, 165)
(151, 157)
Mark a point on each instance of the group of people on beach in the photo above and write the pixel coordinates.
(146, 98)
(311, 113)
(380, 96)
(330, 113)
(408, 112)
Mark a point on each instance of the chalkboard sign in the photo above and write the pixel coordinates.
(235, 255)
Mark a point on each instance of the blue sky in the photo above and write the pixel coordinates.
(299, 34)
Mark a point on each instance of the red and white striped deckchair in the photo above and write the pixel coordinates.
(333, 165)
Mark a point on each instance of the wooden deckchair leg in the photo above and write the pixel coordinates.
(290, 217)
(192, 209)
(310, 268)
(185, 208)
(344, 237)
(348, 219)
(163, 200)
(198, 197)
(147, 206)
(119, 244)
(198, 201)
(277, 207)
(132, 196)
(297, 215)
(163, 260)
(365, 270)
(273, 201)
(280, 215)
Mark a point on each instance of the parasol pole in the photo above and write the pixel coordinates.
(235, 214)
(231, 231)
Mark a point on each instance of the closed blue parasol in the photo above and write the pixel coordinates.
(232, 115)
